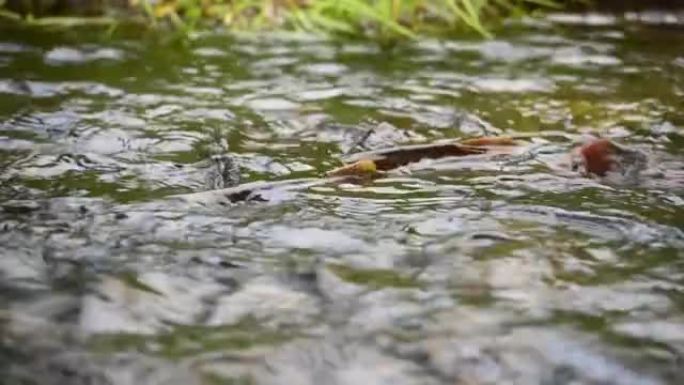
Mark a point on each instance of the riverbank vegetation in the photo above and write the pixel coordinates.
(375, 19)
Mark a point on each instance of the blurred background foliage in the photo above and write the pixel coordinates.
(375, 19)
(381, 20)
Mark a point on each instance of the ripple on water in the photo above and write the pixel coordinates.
(512, 85)
(340, 362)
(272, 104)
(324, 69)
(576, 57)
(486, 270)
(75, 56)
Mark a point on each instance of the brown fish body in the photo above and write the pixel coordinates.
(391, 158)
(372, 162)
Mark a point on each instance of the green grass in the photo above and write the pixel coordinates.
(375, 19)
(380, 20)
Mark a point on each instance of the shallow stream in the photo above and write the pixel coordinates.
(475, 270)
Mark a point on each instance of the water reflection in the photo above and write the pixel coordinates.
(481, 270)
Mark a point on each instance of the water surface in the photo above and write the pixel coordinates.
(484, 270)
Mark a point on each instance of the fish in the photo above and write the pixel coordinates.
(602, 157)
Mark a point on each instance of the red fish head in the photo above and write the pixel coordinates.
(597, 156)
(602, 156)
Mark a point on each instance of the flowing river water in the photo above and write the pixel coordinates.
(469, 271)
